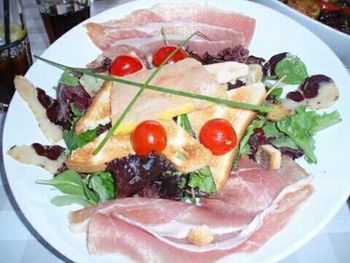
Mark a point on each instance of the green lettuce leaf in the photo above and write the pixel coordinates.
(284, 141)
(63, 200)
(103, 184)
(70, 183)
(301, 127)
(203, 180)
(292, 69)
(74, 141)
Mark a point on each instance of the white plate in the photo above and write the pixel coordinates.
(274, 33)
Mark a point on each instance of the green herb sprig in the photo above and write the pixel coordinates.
(216, 100)
(95, 188)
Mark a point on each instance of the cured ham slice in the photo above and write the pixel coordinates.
(254, 205)
(178, 22)
(262, 186)
(108, 234)
(188, 75)
(208, 15)
(137, 18)
(106, 36)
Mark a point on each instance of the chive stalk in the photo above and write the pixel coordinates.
(216, 100)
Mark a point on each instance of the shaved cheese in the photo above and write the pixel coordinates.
(27, 155)
(29, 94)
(227, 71)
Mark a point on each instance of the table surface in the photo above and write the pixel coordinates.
(18, 244)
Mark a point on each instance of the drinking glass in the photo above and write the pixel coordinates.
(15, 54)
(61, 15)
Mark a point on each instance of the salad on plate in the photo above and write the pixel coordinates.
(177, 139)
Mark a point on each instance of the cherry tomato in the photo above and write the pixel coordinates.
(218, 136)
(149, 136)
(124, 65)
(161, 54)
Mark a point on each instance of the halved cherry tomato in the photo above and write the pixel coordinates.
(124, 65)
(161, 54)
(218, 136)
(149, 136)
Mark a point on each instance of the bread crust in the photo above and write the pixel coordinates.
(240, 119)
(99, 111)
(118, 146)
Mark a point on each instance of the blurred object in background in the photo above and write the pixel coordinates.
(330, 20)
(61, 15)
(15, 55)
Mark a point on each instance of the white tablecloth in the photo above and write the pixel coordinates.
(17, 244)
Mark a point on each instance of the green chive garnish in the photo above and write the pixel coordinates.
(233, 104)
(146, 85)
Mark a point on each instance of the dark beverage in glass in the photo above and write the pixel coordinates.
(59, 16)
(15, 59)
(15, 55)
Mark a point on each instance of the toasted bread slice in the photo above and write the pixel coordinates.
(99, 111)
(179, 142)
(83, 160)
(194, 154)
(255, 94)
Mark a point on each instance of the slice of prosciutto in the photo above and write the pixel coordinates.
(176, 21)
(208, 15)
(113, 235)
(105, 36)
(254, 205)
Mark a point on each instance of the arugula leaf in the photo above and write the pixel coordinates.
(270, 129)
(298, 130)
(63, 200)
(301, 127)
(68, 182)
(74, 141)
(90, 194)
(103, 184)
(284, 141)
(68, 79)
(326, 120)
(184, 123)
(203, 180)
(295, 131)
(293, 69)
